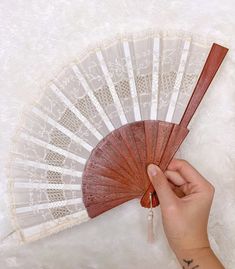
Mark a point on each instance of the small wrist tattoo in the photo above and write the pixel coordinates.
(189, 264)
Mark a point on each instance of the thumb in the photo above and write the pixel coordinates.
(160, 183)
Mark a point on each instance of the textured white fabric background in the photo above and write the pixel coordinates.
(39, 37)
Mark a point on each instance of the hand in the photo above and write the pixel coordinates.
(184, 219)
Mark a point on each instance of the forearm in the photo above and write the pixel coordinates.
(203, 258)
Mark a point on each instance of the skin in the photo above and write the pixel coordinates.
(185, 200)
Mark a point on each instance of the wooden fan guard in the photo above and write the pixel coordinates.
(162, 140)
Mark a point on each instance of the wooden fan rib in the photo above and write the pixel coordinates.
(129, 140)
(98, 180)
(97, 170)
(112, 156)
(101, 180)
(139, 138)
(120, 145)
(100, 158)
(176, 138)
(93, 199)
(97, 194)
(102, 164)
(101, 189)
(151, 129)
(163, 134)
(213, 62)
(97, 209)
(123, 154)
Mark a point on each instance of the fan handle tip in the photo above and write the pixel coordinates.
(212, 64)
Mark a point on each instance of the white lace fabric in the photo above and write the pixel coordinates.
(133, 77)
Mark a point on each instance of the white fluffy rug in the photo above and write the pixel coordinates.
(39, 37)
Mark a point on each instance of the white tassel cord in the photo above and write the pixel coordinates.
(150, 221)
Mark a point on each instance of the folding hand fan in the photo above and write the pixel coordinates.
(84, 146)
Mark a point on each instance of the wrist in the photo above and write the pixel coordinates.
(190, 245)
(193, 252)
(198, 257)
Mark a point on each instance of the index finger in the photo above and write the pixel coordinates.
(189, 173)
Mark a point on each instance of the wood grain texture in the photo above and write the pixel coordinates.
(176, 138)
(212, 64)
(117, 168)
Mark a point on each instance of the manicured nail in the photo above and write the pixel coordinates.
(152, 170)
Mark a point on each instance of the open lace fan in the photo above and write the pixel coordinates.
(83, 147)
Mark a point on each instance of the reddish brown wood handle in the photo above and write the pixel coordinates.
(213, 62)
(176, 138)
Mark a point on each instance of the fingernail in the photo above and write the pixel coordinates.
(152, 170)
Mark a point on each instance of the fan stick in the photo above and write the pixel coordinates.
(178, 135)
(46, 167)
(41, 143)
(176, 138)
(111, 86)
(155, 79)
(131, 76)
(62, 129)
(212, 64)
(96, 209)
(93, 99)
(32, 233)
(106, 157)
(150, 136)
(36, 207)
(137, 129)
(45, 186)
(163, 134)
(178, 81)
(74, 110)
(130, 143)
(119, 145)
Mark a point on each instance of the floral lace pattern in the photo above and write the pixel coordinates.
(103, 91)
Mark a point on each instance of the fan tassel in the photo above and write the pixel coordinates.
(150, 221)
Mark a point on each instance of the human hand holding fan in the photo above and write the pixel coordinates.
(84, 146)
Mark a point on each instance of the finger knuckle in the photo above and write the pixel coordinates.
(210, 189)
(183, 162)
